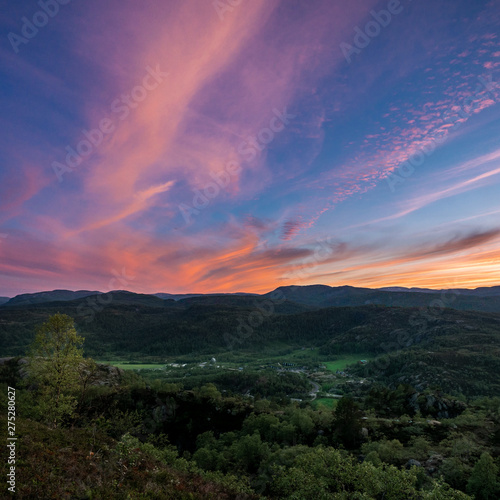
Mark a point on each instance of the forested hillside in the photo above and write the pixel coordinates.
(460, 348)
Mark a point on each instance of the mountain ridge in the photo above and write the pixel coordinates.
(485, 299)
(49, 296)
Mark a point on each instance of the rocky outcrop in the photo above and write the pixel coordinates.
(413, 463)
(433, 464)
(108, 375)
(437, 406)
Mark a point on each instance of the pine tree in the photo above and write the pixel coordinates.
(347, 422)
(483, 481)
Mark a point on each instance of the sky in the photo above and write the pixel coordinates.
(235, 145)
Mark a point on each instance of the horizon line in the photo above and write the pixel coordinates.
(384, 288)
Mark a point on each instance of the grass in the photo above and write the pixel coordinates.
(272, 355)
(298, 356)
(342, 363)
(330, 403)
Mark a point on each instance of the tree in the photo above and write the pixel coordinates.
(347, 422)
(454, 472)
(55, 367)
(324, 473)
(249, 452)
(483, 480)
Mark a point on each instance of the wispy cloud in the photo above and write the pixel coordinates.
(319, 178)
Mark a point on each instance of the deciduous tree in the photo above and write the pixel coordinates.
(55, 366)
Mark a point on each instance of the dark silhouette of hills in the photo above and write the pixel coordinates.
(493, 291)
(49, 296)
(486, 299)
(481, 299)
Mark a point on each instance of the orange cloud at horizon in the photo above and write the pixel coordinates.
(243, 265)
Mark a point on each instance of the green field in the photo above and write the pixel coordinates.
(344, 361)
(297, 356)
(328, 402)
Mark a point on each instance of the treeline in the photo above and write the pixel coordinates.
(465, 371)
(134, 329)
(459, 349)
(258, 384)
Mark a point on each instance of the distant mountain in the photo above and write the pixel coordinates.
(3, 300)
(403, 289)
(481, 299)
(177, 296)
(53, 296)
(124, 297)
(322, 295)
(493, 291)
(249, 302)
(299, 298)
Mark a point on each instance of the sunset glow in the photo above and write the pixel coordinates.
(183, 146)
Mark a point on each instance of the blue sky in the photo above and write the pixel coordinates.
(200, 146)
